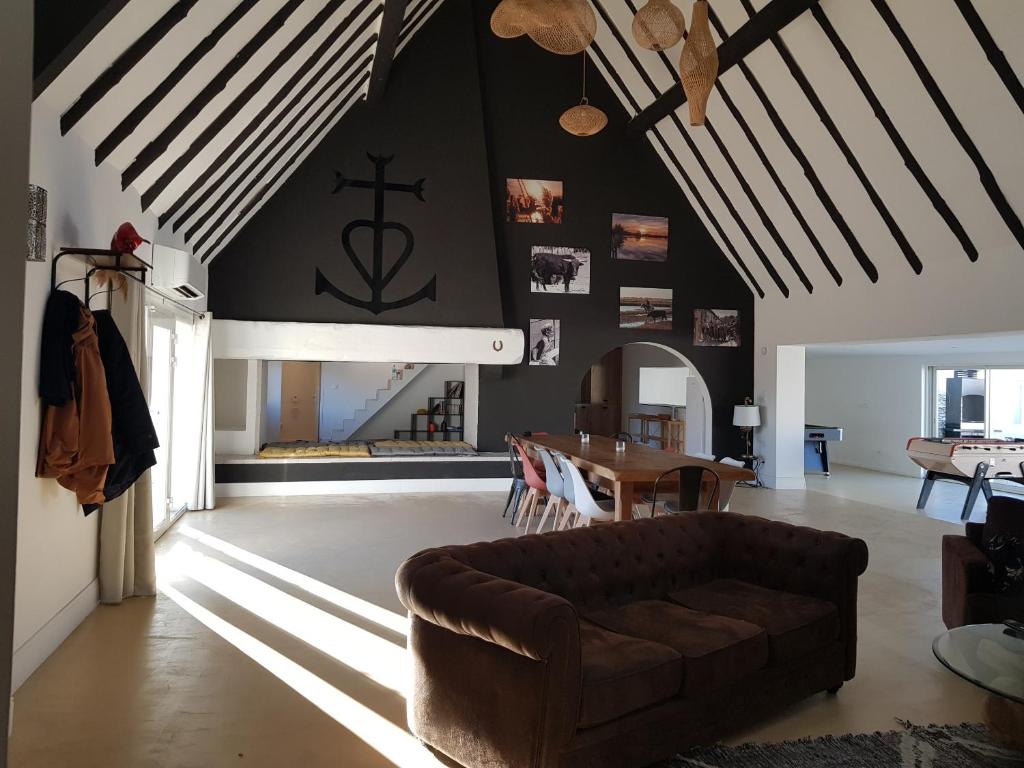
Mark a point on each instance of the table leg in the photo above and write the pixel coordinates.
(623, 501)
(725, 490)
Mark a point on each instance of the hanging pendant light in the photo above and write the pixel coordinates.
(565, 27)
(698, 64)
(583, 119)
(509, 19)
(659, 25)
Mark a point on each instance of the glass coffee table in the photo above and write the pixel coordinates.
(988, 657)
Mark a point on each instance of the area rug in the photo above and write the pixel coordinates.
(915, 746)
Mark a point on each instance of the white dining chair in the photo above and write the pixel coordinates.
(556, 491)
(588, 510)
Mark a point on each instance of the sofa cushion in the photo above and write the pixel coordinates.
(716, 650)
(796, 624)
(623, 674)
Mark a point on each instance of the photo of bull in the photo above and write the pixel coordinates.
(552, 268)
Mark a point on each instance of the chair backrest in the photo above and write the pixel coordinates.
(568, 490)
(583, 500)
(674, 435)
(690, 481)
(514, 462)
(529, 473)
(624, 436)
(1005, 516)
(552, 476)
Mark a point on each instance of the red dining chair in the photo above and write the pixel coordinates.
(535, 483)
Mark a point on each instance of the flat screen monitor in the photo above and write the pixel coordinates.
(663, 386)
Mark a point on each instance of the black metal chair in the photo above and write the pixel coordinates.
(690, 484)
(624, 436)
(518, 488)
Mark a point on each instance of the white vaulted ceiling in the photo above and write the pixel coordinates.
(205, 107)
(867, 138)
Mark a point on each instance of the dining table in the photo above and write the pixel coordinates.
(632, 471)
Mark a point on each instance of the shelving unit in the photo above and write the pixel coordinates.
(444, 413)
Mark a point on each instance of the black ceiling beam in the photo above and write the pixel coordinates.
(757, 31)
(909, 160)
(671, 155)
(290, 164)
(124, 64)
(248, 94)
(805, 164)
(287, 91)
(53, 70)
(993, 52)
(346, 74)
(141, 110)
(159, 145)
(988, 179)
(387, 44)
(627, 49)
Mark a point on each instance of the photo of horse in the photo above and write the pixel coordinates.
(533, 201)
(648, 309)
(559, 269)
(716, 327)
(639, 238)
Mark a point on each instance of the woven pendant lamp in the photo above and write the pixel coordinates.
(565, 27)
(583, 119)
(509, 19)
(659, 25)
(698, 64)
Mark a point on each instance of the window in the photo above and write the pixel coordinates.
(978, 402)
(161, 407)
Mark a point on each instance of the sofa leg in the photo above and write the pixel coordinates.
(835, 689)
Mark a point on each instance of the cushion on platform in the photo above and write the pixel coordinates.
(716, 650)
(308, 449)
(623, 674)
(796, 624)
(421, 448)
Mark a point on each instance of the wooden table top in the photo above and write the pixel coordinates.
(638, 463)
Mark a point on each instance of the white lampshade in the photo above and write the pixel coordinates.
(746, 416)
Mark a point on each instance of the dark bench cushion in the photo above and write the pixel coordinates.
(796, 625)
(623, 674)
(716, 650)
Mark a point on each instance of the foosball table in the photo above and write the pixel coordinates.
(971, 461)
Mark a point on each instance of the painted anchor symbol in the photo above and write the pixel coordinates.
(377, 281)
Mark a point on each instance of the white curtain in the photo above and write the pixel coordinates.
(201, 380)
(127, 552)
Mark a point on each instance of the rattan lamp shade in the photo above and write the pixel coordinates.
(583, 120)
(565, 27)
(698, 64)
(658, 26)
(509, 19)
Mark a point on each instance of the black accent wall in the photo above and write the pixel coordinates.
(466, 110)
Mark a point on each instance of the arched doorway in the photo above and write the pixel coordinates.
(609, 393)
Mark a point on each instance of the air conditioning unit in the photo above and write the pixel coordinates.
(177, 275)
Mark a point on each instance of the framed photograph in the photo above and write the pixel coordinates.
(646, 309)
(639, 238)
(559, 269)
(716, 327)
(533, 201)
(545, 337)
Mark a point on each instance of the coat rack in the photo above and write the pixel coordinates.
(117, 266)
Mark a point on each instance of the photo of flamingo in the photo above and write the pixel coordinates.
(533, 201)
(647, 309)
(639, 238)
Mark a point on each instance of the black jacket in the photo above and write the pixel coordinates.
(57, 356)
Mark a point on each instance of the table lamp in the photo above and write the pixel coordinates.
(746, 417)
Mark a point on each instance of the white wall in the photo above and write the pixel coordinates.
(396, 414)
(345, 387)
(635, 357)
(250, 390)
(880, 401)
(57, 545)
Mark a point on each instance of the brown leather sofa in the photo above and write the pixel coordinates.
(622, 644)
(968, 596)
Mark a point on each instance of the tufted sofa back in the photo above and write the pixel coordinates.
(606, 565)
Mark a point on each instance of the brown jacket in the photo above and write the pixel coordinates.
(75, 446)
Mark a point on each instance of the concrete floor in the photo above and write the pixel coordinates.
(276, 640)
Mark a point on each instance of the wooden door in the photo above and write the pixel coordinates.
(300, 401)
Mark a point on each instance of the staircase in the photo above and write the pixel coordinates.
(400, 378)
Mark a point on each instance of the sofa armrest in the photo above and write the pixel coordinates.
(457, 597)
(964, 570)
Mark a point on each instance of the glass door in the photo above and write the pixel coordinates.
(161, 400)
(1006, 403)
